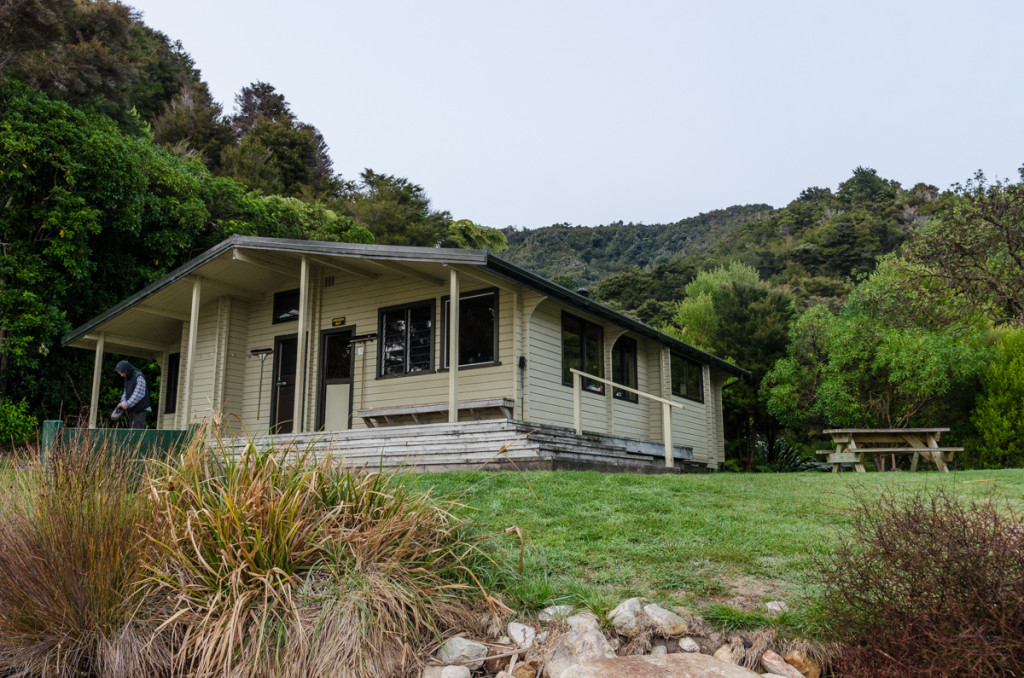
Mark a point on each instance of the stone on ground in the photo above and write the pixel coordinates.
(576, 647)
(623, 617)
(456, 672)
(773, 663)
(583, 620)
(459, 650)
(669, 623)
(803, 663)
(521, 634)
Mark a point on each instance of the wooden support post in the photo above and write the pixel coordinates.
(666, 418)
(193, 335)
(577, 402)
(453, 348)
(300, 354)
(97, 367)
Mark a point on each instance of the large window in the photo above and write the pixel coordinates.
(478, 328)
(286, 306)
(687, 378)
(406, 339)
(171, 381)
(582, 343)
(624, 368)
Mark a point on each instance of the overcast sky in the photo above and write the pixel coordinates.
(530, 113)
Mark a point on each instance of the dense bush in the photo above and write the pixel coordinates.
(928, 586)
(999, 415)
(16, 424)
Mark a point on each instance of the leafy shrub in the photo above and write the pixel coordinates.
(927, 585)
(72, 557)
(999, 415)
(16, 424)
(276, 564)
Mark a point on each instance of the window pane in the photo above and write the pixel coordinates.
(476, 330)
(624, 367)
(694, 382)
(393, 343)
(421, 326)
(678, 375)
(593, 356)
(337, 357)
(286, 306)
(572, 347)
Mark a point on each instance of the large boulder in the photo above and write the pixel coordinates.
(669, 623)
(658, 666)
(576, 647)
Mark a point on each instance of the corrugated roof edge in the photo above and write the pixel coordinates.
(483, 258)
(313, 247)
(510, 270)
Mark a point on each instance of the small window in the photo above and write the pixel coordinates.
(478, 328)
(624, 368)
(687, 378)
(582, 349)
(406, 339)
(286, 306)
(171, 380)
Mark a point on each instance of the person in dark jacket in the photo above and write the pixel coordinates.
(135, 397)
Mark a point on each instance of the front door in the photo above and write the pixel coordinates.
(283, 401)
(335, 413)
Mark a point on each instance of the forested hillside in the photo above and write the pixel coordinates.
(579, 256)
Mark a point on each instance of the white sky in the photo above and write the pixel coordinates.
(530, 113)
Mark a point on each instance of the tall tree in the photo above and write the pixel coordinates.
(731, 312)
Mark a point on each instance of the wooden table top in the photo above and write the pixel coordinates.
(885, 430)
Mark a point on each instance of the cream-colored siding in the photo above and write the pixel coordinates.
(633, 419)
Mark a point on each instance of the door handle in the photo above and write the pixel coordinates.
(281, 383)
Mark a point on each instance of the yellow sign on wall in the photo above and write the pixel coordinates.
(338, 322)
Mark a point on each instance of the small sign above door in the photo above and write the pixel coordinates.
(338, 322)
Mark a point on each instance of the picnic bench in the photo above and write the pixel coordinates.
(490, 408)
(853, 445)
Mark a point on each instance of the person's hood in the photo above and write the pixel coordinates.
(125, 367)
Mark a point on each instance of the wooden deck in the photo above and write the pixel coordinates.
(488, 445)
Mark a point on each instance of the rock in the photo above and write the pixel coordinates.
(773, 663)
(623, 617)
(658, 649)
(771, 675)
(455, 672)
(663, 666)
(669, 623)
(524, 671)
(802, 663)
(577, 647)
(459, 650)
(583, 620)
(496, 664)
(689, 645)
(555, 612)
(724, 654)
(521, 634)
(432, 671)
(777, 607)
(542, 637)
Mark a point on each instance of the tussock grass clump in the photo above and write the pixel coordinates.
(278, 564)
(928, 585)
(73, 553)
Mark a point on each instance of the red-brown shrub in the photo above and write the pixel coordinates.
(928, 585)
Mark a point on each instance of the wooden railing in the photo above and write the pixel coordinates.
(666, 407)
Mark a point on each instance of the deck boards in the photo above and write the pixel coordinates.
(488, 444)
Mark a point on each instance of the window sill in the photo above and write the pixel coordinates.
(406, 374)
(463, 368)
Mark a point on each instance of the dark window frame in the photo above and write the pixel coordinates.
(617, 375)
(171, 380)
(585, 326)
(279, 301)
(381, 312)
(463, 296)
(688, 364)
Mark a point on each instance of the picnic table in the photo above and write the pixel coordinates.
(852, 445)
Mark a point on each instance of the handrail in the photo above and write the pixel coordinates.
(666, 408)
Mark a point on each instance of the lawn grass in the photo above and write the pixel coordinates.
(718, 543)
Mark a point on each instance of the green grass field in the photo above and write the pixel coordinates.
(711, 542)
